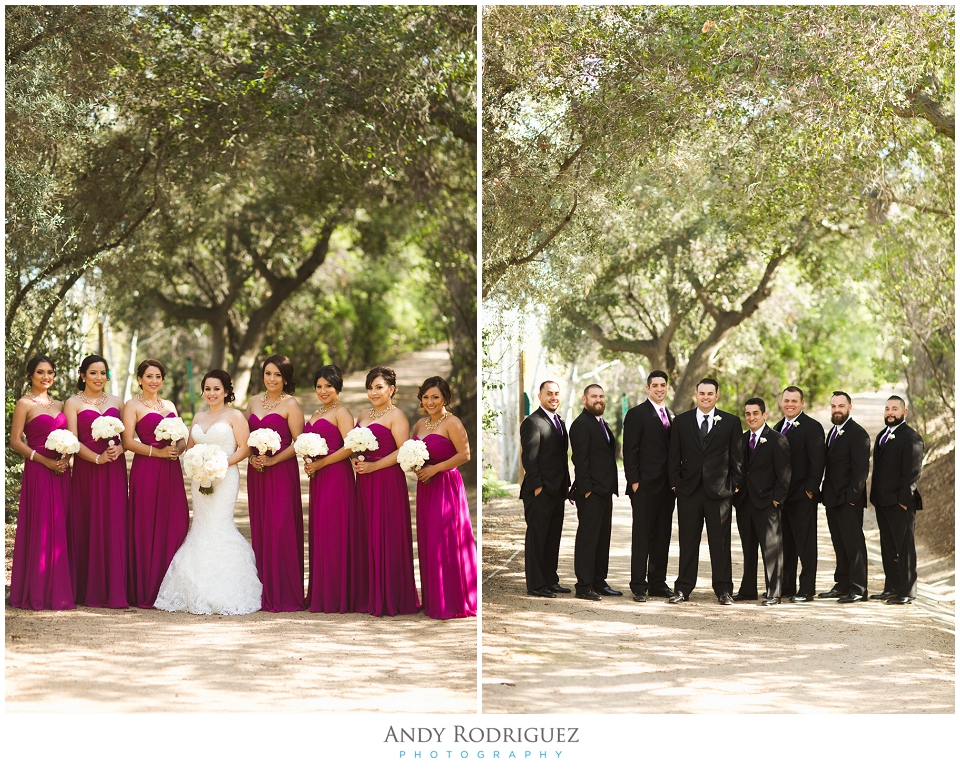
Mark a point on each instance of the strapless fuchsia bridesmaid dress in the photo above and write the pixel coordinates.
(157, 515)
(383, 513)
(331, 519)
(41, 565)
(276, 523)
(98, 522)
(445, 545)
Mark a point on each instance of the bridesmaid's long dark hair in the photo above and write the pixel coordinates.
(332, 374)
(388, 374)
(85, 365)
(285, 365)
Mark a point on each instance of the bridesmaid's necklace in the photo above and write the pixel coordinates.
(375, 415)
(98, 402)
(324, 409)
(158, 408)
(48, 404)
(434, 425)
(263, 402)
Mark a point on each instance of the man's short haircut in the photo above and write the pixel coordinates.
(756, 402)
(654, 374)
(709, 381)
(793, 389)
(591, 386)
(545, 382)
(898, 398)
(845, 395)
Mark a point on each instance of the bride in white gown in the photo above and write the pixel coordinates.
(215, 571)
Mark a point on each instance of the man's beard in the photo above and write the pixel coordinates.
(838, 419)
(596, 409)
(893, 421)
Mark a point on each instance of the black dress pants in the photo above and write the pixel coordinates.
(846, 531)
(650, 545)
(799, 520)
(692, 512)
(541, 546)
(591, 553)
(766, 530)
(897, 530)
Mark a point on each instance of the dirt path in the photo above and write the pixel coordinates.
(565, 655)
(135, 660)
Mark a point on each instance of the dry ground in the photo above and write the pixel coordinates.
(135, 660)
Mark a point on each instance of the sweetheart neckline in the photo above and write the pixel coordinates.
(205, 432)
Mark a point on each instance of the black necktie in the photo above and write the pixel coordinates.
(703, 426)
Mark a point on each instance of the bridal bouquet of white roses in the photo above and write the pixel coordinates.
(172, 430)
(361, 439)
(412, 455)
(309, 446)
(205, 463)
(63, 442)
(264, 440)
(105, 428)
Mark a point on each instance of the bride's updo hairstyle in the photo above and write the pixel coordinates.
(332, 374)
(225, 380)
(85, 365)
(441, 384)
(285, 365)
(388, 374)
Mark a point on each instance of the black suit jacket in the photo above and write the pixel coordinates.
(594, 457)
(807, 455)
(543, 453)
(847, 465)
(896, 469)
(766, 471)
(646, 448)
(717, 464)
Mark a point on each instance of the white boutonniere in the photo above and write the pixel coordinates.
(839, 433)
(892, 436)
(763, 440)
(717, 418)
(796, 423)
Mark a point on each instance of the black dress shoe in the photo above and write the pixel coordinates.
(832, 593)
(558, 588)
(801, 598)
(899, 600)
(607, 590)
(770, 601)
(590, 595)
(678, 597)
(725, 599)
(639, 598)
(882, 596)
(661, 592)
(741, 597)
(852, 598)
(542, 592)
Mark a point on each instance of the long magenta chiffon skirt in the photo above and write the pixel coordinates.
(41, 565)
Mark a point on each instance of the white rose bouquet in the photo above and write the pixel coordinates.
(310, 446)
(172, 430)
(412, 455)
(106, 428)
(264, 440)
(361, 439)
(63, 442)
(205, 463)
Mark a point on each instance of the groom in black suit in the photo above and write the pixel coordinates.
(799, 515)
(766, 478)
(594, 451)
(546, 481)
(705, 469)
(646, 444)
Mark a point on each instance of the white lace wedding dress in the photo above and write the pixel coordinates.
(214, 571)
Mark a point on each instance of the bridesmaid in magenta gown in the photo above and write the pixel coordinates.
(445, 545)
(383, 507)
(332, 491)
(41, 567)
(157, 512)
(273, 490)
(96, 523)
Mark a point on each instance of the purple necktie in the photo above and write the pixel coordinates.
(556, 421)
(886, 435)
(833, 436)
(787, 427)
(753, 441)
(663, 417)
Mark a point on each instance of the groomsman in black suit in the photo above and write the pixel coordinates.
(845, 497)
(897, 457)
(766, 479)
(705, 469)
(646, 444)
(799, 514)
(594, 453)
(546, 481)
